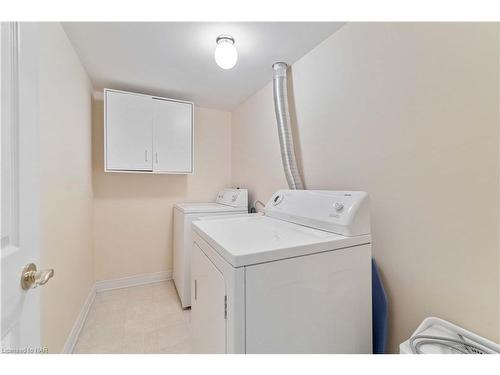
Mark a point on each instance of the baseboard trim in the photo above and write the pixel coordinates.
(126, 282)
(69, 346)
(105, 285)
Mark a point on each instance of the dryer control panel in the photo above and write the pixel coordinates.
(342, 212)
(233, 197)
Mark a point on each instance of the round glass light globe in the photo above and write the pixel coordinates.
(226, 55)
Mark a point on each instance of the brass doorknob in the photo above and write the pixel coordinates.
(31, 278)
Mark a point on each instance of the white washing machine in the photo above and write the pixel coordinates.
(294, 280)
(228, 201)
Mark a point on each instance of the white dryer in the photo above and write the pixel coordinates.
(294, 280)
(228, 201)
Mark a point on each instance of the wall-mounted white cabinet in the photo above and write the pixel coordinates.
(147, 133)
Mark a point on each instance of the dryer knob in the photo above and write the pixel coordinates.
(277, 199)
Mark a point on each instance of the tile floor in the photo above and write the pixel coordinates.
(141, 319)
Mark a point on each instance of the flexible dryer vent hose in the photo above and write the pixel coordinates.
(280, 94)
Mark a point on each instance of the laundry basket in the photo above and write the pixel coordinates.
(438, 336)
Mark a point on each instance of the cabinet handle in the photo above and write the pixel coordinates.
(146, 155)
(195, 290)
(156, 157)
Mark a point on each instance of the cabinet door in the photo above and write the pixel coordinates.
(129, 131)
(172, 136)
(208, 298)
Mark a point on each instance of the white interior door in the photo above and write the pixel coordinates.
(129, 131)
(20, 235)
(173, 136)
(208, 297)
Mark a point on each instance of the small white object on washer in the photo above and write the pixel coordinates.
(295, 280)
(228, 201)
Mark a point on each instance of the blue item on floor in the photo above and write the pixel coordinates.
(379, 312)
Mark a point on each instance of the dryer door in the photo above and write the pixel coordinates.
(208, 305)
(319, 303)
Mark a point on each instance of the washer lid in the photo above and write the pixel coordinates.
(250, 240)
(195, 208)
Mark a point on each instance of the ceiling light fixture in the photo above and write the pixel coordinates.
(225, 52)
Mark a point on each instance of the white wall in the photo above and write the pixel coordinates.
(133, 212)
(408, 113)
(66, 186)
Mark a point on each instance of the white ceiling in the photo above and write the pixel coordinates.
(175, 59)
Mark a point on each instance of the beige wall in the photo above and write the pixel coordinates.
(66, 186)
(408, 113)
(133, 212)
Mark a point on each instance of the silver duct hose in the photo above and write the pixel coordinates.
(280, 94)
